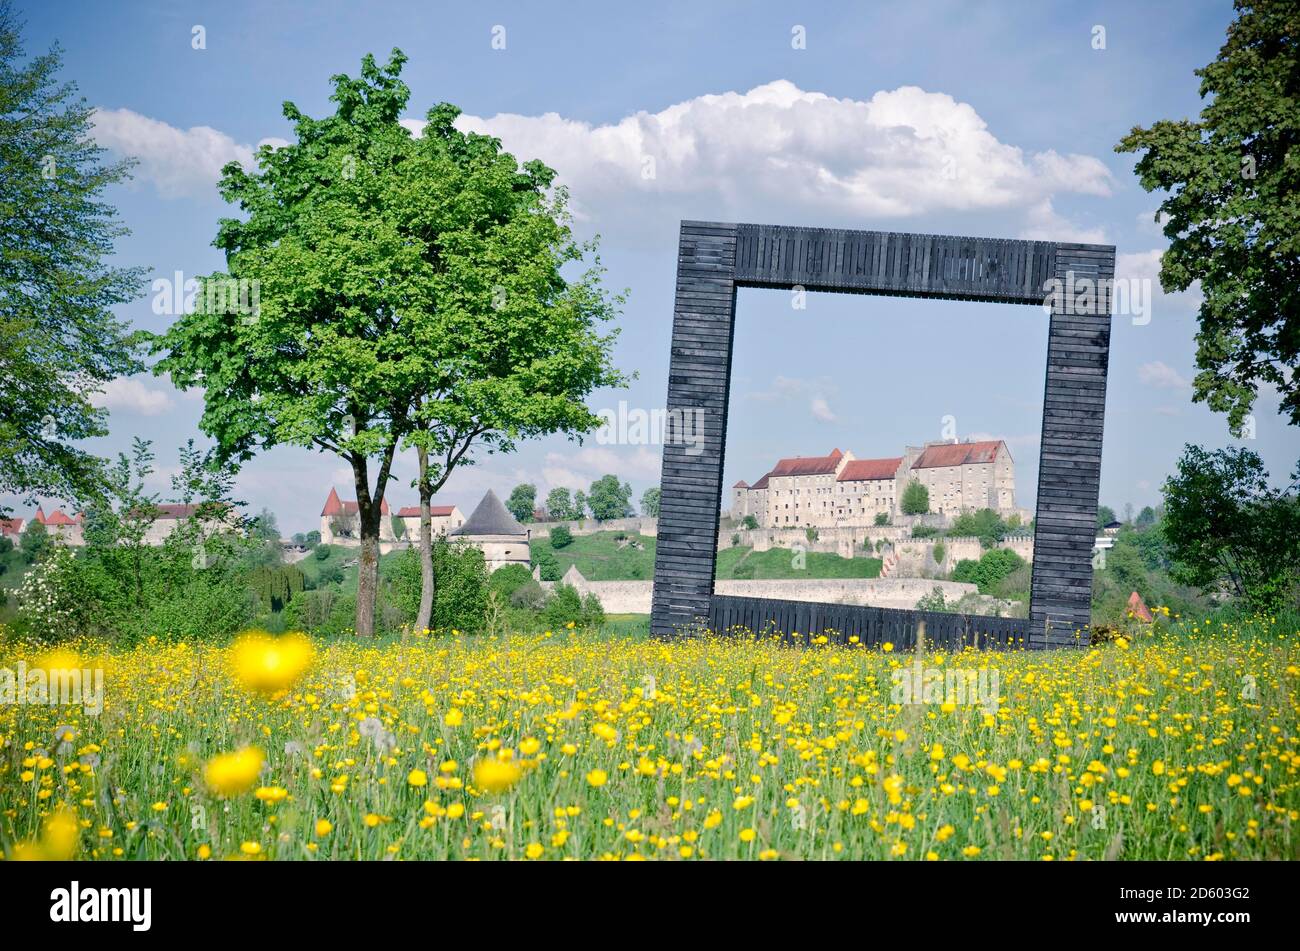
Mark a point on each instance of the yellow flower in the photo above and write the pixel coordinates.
(268, 665)
(534, 850)
(455, 810)
(746, 835)
(205, 852)
(323, 828)
(454, 717)
(529, 745)
(233, 773)
(271, 794)
(251, 848)
(597, 777)
(496, 775)
(417, 778)
(60, 835)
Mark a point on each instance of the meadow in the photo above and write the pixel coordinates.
(1178, 744)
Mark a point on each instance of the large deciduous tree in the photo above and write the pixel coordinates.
(1228, 531)
(1232, 213)
(59, 341)
(408, 293)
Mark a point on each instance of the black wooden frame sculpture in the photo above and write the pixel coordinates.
(715, 259)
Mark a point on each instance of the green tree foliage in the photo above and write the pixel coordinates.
(916, 499)
(462, 586)
(749, 522)
(882, 518)
(276, 585)
(1227, 529)
(59, 340)
(560, 537)
(508, 579)
(559, 505)
(1105, 515)
(650, 502)
(1145, 518)
(522, 501)
(409, 295)
(984, 524)
(566, 606)
(610, 498)
(1232, 181)
(194, 585)
(579, 504)
(992, 567)
(548, 567)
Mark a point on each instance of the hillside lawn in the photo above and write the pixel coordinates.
(599, 558)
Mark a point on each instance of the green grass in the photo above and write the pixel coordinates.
(779, 563)
(599, 558)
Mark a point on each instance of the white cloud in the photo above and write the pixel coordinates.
(1044, 224)
(1145, 266)
(778, 150)
(179, 162)
(131, 396)
(1161, 376)
(774, 152)
(821, 410)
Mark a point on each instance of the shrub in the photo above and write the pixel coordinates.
(561, 537)
(882, 518)
(461, 585)
(749, 522)
(992, 567)
(529, 596)
(939, 553)
(546, 564)
(506, 581)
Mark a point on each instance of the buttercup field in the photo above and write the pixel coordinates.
(1182, 745)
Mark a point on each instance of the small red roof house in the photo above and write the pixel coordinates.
(435, 511)
(1138, 609)
(11, 527)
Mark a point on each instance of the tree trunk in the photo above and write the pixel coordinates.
(368, 563)
(424, 620)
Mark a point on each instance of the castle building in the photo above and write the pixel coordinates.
(838, 489)
(340, 522)
(442, 520)
(62, 526)
(492, 528)
(965, 476)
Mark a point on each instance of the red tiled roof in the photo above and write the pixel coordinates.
(39, 516)
(742, 484)
(436, 511)
(1137, 607)
(59, 517)
(807, 465)
(332, 504)
(761, 483)
(958, 454)
(862, 470)
(11, 526)
(335, 507)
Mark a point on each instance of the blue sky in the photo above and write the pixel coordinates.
(958, 118)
